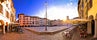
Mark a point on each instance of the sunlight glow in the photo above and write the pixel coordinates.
(60, 12)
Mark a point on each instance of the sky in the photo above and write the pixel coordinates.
(56, 9)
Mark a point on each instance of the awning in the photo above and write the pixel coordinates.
(76, 21)
(81, 21)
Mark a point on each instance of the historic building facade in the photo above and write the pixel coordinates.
(83, 9)
(57, 22)
(7, 14)
(87, 9)
(43, 21)
(28, 20)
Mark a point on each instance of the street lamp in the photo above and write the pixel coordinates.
(46, 14)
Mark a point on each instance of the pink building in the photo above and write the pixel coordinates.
(37, 21)
(21, 19)
(28, 20)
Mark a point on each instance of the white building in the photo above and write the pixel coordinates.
(43, 22)
(7, 14)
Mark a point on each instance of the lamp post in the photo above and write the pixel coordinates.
(46, 14)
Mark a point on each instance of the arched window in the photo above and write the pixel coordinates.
(90, 3)
(12, 18)
(7, 14)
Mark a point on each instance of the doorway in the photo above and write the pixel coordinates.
(93, 26)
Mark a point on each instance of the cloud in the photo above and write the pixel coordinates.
(60, 12)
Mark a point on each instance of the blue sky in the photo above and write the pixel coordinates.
(57, 9)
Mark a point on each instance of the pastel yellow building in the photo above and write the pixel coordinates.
(82, 9)
(92, 14)
(7, 14)
(93, 9)
(87, 9)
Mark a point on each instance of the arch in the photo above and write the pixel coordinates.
(1, 22)
(2, 26)
(95, 35)
(91, 18)
(7, 14)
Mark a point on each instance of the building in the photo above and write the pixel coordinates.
(83, 9)
(67, 18)
(87, 9)
(35, 21)
(57, 22)
(28, 20)
(21, 19)
(7, 14)
(44, 22)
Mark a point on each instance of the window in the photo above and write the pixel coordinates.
(13, 19)
(23, 23)
(7, 5)
(33, 22)
(7, 14)
(90, 3)
(1, 8)
(37, 22)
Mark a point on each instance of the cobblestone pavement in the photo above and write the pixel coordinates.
(28, 35)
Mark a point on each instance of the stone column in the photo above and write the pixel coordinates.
(3, 29)
(95, 35)
(7, 28)
(89, 27)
